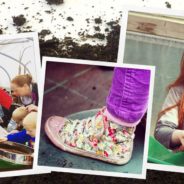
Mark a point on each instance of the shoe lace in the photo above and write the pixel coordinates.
(94, 125)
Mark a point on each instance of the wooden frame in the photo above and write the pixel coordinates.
(155, 24)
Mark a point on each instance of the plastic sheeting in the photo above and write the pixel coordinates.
(16, 57)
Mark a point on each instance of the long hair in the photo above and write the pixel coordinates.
(180, 104)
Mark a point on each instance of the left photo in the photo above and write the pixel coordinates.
(19, 96)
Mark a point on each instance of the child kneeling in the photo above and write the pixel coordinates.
(27, 135)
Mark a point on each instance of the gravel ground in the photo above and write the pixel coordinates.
(153, 177)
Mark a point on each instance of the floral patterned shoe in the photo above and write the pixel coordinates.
(94, 137)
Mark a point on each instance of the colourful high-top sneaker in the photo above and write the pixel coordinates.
(94, 137)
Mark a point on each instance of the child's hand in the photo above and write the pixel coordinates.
(181, 148)
(178, 137)
(3, 139)
(1, 121)
(32, 107)
(13, 132)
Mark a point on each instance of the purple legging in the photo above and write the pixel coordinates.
(128, 96)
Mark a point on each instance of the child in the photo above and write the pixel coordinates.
(27, 135)
(170, 126)
(109, 134)
(17, 117)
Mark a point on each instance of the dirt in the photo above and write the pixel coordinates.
(168, 5)
(97, 28)
(69, 48)
(153, 177)
(98, 20)
(48, 11)
(99, 36)
(69, 18)
(87, 20)
(19, 20)
(57, 2)
(44, 32)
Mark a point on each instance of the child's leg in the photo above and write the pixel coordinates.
(128, 96)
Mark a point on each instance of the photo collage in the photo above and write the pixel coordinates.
(92, 88)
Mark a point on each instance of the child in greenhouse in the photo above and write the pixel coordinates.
(109, 135)
(22, 86)
(170, 126)
(17, 116)
(27, 135)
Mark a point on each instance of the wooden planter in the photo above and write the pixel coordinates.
(166, 26)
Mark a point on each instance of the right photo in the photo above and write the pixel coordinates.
(155, 39)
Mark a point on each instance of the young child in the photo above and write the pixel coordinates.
(17, 117)
(170, 126)
(27, 135)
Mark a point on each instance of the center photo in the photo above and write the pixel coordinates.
(95, 117)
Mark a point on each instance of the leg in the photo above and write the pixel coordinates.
(128, 96)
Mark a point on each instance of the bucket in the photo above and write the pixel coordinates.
(161, 155)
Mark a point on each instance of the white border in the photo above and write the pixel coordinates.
(38, 67)
(96, 63)
(164, 12)
(124, 22)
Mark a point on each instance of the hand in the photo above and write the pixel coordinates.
(178, 137)
(1, 121)
(3, 139)
(181, 148)
(32, 107)
(13, 132)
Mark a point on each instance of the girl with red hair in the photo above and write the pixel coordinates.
(170, 127)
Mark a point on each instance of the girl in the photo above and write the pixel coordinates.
(109, 134)
(170, 127)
